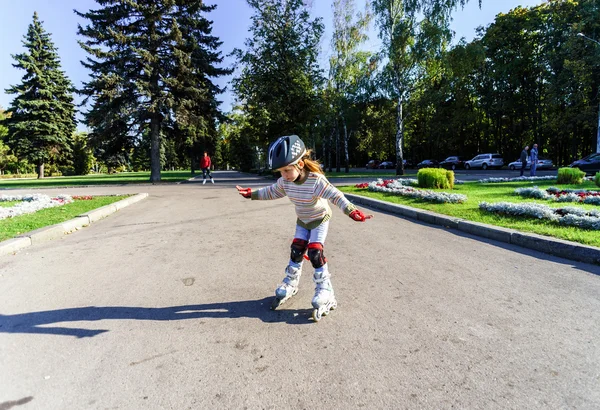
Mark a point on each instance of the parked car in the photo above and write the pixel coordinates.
(485, 161)
(543, 163)
(408, 163)
(387, 165)
(452, 163)
(589, 164)
(428, 163)
(372, 164)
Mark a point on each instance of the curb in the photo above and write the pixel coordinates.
(553, 246)
(51, 232)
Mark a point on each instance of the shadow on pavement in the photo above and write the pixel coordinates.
(35, 322)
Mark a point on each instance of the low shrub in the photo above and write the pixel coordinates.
(597, 179)
(435, 178)
(572, 176)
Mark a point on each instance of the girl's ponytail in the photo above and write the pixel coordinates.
(311, 164)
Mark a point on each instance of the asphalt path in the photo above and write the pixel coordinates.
(165, 305)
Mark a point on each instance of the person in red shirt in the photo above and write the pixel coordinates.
(205, 165)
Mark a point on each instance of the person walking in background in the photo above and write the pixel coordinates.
(533, 156)
(524, 159)
(205, 165)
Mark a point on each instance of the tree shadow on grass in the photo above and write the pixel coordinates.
(36, 322)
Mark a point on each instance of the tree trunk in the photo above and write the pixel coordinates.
(337, 150)
(329, 143)
(346, 155)
(40, 170)
(155, 148)
(192, 161)
(399, 139)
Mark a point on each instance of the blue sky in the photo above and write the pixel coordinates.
(231, 20)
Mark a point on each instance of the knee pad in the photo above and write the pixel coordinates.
(298, 249)
(315, 254)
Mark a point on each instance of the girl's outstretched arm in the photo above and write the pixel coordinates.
(325, 189)
(274, 191)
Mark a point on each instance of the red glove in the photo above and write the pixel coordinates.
(358, 216)
(245, 192)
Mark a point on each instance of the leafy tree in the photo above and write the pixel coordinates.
(83, 158)
(279, 76)
(3, 127)
(238, 145)
(152, 67)
(42, 116)
(413, 34)
(6, 157)
(349, 67)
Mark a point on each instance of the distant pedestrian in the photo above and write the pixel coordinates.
(205, 165)
(533, 156)
(524, 158)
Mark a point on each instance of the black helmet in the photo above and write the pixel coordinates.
(286, 151)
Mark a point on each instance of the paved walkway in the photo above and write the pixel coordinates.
(164, 304)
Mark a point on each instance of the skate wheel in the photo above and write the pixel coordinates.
(275, 304)
(316, 315)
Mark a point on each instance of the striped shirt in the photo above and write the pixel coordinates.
(309, 195)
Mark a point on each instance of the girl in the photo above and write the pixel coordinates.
(305, 185)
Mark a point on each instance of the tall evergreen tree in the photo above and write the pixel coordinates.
(152, 67)
(42, 117)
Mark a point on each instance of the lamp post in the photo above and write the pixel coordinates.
(598, 132)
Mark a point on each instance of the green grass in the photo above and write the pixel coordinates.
(11, 227)
(95, 179)
(8, 204)
(502, 192)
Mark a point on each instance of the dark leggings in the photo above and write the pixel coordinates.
(205, 171)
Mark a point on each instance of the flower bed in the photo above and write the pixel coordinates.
(515, 179)
(31, 203)
(561, 195)
(399, 187)
(569, 216)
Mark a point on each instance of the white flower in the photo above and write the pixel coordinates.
(31, 203)
(569, 216)
(398, 187)
(523, 178)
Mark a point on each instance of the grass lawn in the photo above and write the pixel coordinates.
(501, 192)
(11, 227)
(95, 179)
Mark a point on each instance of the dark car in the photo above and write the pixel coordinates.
(428, 163)
(387, 165)
(589, 164)
(372, 164)
(452, 163)
(408, 163)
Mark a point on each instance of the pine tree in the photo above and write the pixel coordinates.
(42, 117)
(152, 65)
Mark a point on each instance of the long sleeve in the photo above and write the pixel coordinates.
(274, 191)
(324, 189)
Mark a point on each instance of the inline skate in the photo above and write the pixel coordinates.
(289, 286)
(324, 299)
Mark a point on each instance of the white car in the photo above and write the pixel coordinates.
(485, 161)
(542, 163)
